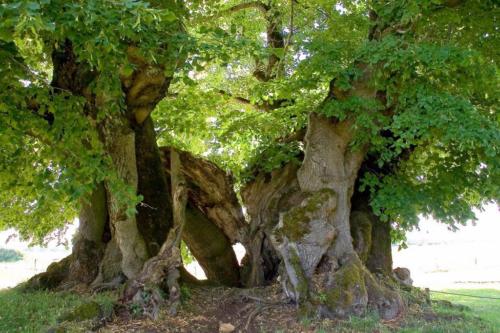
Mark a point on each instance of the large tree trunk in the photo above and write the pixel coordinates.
(318, 230)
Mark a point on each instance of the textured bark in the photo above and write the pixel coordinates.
(120, 145)
(313, 238)
(326, 179)
(211, 191)
(214, 218)
(264, 197)
(211, 248)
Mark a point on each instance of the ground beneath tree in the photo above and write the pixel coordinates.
(204, 309)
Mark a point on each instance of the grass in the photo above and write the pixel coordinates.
(487, 309)
(35, 312)
(463, 314)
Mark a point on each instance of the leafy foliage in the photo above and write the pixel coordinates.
(237, 95)
(51, 154)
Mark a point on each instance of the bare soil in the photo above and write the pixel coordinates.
(206, 308)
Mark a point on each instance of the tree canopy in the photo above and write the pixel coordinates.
(433, 140)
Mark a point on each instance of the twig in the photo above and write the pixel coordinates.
(253, 314)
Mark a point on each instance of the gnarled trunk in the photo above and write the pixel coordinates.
(214, 218)
(265, 197)
(318, 230)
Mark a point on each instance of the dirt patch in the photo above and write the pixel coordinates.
(265, 309)
(204, 309)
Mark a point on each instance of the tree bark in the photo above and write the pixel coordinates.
(214, 217)
(318, 230)
(265, 197)
(89, 243)
(165, 265)
(80, 267)
(211, 248)
(120, 145)
(211, 191)
(371, 236)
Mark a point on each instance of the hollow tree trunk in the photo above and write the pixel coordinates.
(371, 236)
(165, 265)
(154, 213)
(214, 217)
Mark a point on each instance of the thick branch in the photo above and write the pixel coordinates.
(246, 5)
(238, 99)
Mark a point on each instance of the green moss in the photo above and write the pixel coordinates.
(349, 284)
(361, 230)
(302, 287)
(85, 311)
(37, 311)
(296, 220)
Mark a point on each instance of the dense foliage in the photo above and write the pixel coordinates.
(433, 143)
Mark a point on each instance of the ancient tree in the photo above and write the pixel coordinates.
(313, 133)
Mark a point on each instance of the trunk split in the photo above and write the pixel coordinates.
(145, 289)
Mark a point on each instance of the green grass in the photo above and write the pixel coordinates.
(462, 315)
(37, 311)
(487, 309)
